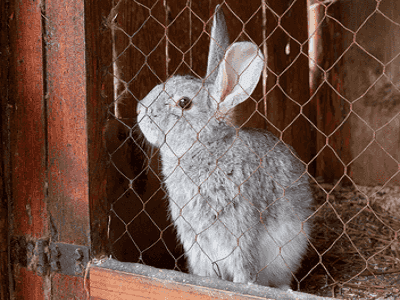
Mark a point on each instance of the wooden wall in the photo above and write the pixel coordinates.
(372, 75)
(355, 87)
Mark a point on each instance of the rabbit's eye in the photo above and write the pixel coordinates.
(185, 103)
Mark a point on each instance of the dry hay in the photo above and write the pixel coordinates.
(355, 251)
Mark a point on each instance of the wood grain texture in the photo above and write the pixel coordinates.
(27, 141)
(111, 279)
(111, 284)
(66, 121)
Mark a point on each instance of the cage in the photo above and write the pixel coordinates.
(325, 91)
(83, 185)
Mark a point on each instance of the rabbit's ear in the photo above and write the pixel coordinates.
(238, 75)
(219, 41)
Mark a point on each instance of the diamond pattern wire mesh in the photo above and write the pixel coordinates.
(352, 111)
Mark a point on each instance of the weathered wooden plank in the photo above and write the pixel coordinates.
(27, 160)
(115, 280)
(68, 287)
(112, 284)
(67, 126)
(27, 121)
(28, 285)
(99, 95)
(4, 150)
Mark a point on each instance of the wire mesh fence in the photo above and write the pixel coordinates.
(329, 88)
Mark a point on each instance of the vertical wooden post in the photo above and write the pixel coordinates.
(4, 163)
(27, 139)
(76, 105)
(99, 95)
(67, 128)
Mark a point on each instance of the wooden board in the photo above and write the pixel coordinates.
(27, 159)
(111, 284)
(115, 280)
(371, 70)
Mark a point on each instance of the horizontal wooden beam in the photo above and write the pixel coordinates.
(116, 280)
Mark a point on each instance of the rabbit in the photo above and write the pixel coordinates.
(238, 197)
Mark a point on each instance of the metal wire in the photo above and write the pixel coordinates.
(133, 206)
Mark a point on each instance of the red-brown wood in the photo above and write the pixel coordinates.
(111, 279)
(4, 138)
(28, 122)
(68, 287)
(27, 134)
(68, 141)
(56, 128)
(67, 128)
(99, 96)
(29, 285)
(112, 284)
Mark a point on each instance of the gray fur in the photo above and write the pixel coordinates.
(219, 42)
(239, 198)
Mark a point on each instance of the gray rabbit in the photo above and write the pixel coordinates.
(238, 197)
